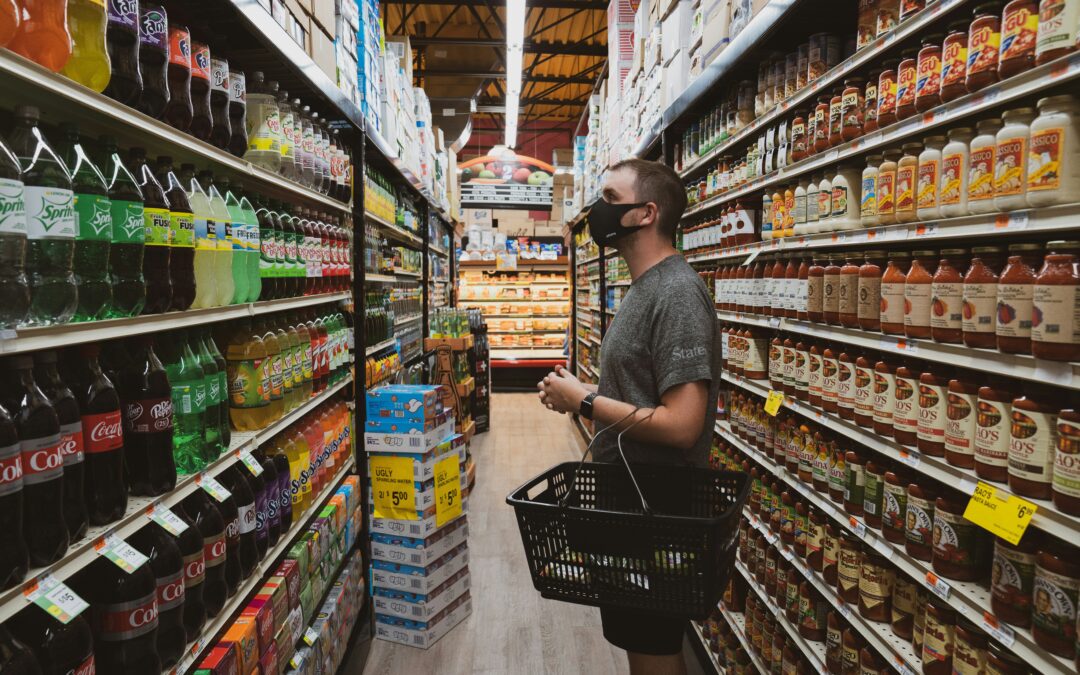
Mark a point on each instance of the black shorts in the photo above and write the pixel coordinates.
(643, 632)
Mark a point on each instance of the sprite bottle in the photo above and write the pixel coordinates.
(14, 288)
(93, 228)
(128, 235)
(187, 379)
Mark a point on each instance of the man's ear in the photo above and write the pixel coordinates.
(652, 214)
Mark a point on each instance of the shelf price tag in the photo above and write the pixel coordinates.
(212, 487)
(53, 596)
(924, 230)
(310, 636)
(774, 322)
(1016, 220)
(884, 548)
(857, 526)
(250, 462)
(447, 490)
(911, 458)
(773, 402)
(938, 586)
(392, 488)
(902, 666)
(120, 553)
(1001, 632)
(164, 516)
(1000, 512)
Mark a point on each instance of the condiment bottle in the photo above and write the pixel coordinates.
(791, 286)
(947, 292)
(902, 610)
(814, 539)
(906, 80)
(776, 363)
(919, 529)
(821, 464)
(926, 194)
(851, 109)
(1057, 590)
(834, 642)
(853, 645)
(960, 547)
(917, 286)
(813, 369)
(870, 101)
(887, 92)
(928, 73)
(845, 384)
(849, 291)
(1015, 296)
(846, 185)
(982, 160)
(802, 373)
(815, 289)
(868, 291)
(866, 23)
(812, 195)
(802, 290)
(831, 288)
(868, 215)
(798, 137)
(1056, 335)
(847, 568)
(892, 293)
(918, 622)
(932, 411)
(954, 61)
(854, 482)
(825, 205)
(886, 187)
(1066, 485)
(984, 42)
(1011, 159)
(830, 553)
(1001, 661)
(876, 581)
(864, 391)
(906, 180)
(829, 371)
(873, 493)
(938, 627)
(1058, 28)
(888, 16)
(1053, 169)
(1013, 579)
(837, 473)
(952, 190)
(963, 392)
(836, 122)
(884, 397)
(969, 651)
(1032, 441)
(1019, 28)
(979, 302)
(813, 613)
(993, 420)
(894, 507)
(821, 124)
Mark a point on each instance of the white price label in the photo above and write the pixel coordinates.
(310, 636)
(938, 585)
(55, 598)
(844, 611)
(774, 322)
(297, 661)
(750, 258)
(786, 552)
(164, 516)
(250, 462)
(910, 457)
(121, 553)
(1002, 632)
(212, 487)
(857, 526)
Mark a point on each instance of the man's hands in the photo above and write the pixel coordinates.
(561, 391)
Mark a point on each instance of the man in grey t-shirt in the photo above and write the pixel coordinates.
(659, 356)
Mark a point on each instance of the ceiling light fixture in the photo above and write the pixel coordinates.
(515, 49)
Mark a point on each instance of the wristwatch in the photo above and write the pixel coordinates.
(586, 409)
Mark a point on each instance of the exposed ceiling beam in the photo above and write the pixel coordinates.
(531, 46)
(537, 100)
(540, 4)
(495, 75)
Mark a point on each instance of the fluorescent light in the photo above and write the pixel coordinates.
(515, 45)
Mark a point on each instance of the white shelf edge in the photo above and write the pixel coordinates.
(368, 351)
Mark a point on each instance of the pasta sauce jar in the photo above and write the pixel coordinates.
(894, 507)
(906, 412)
(984, 43)
(869, 291)
(1032, 442)
(932, 408)
(960, 546)
(993, 422)
(1054, 174)
(887, 92)
(938, 639)
(1066, 485)
(884, 397)
(1019, 27)
(928, 73)
(954, 61)
(1055, 323)
(917, 294)
(978, 323)
(876, 578)
(906, 80)
(962, 399)
(1055, 596)
(851, 109)
(919, 521)
(891, 317)
(1015, 297)
(947, 293)
(864, 391)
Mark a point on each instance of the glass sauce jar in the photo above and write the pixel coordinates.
(1055, 330)
(1011, 159)
(938, 638)
(831, 288)
(947, 295)
(1032, 442)
(891, 317)
(868, 309)
(1066, 486)
(851, 109)
(978, 322)
(1056, 592)
(873, 493)
(815, 289)
(1054, 173)
(894, 507)
(906, 79)
(1019, 27)
(885, 187)
(907, 177)
(919, 521)
(981, 162)
(917, 300)
(993, 420)
(884, 397)
(1015, 297)
(887, 90)
(864, 391)
(849, 292)
(932, 409)
(952, 190)
(962, 399)
(954, 61)
(876, 580)
(928, 73)
(960, 548)
(984, 43)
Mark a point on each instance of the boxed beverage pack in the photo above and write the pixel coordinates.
(220, 661)
(424, 462)
(419, 579)
(417, 551)
(243, 635)
(431, 431)
(422, 634)
(410, 402)
(423, 527)
(419, 607)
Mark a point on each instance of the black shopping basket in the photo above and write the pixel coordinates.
(653, 538)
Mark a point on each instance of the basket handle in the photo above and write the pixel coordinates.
(573, 484)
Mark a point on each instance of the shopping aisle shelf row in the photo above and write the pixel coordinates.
(82, 552)
(398, 275)
(407, 319)
(376, 348)
(394, 231)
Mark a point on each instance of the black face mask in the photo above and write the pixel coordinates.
(605, 221)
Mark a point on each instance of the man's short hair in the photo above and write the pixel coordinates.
(658, 183)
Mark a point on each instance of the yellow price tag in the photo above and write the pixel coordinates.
(392, 488)
(1003, 514)
(447, 490)
(772, 403)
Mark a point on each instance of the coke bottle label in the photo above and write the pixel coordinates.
(93, 218)
(11, 473)
(156, 226)
(127, 222)
(181, 230)
(41, 459)
(124, 13)
(219, 75)
(102, 432)
(126, 620)
(194, 569)
(72, 446)
(180, 47)
(246, 517)
(214, 550)
(200, 61)
(170, 591)
(87, 667)
(246, 384)
(237, 87)
(50, 213)
(148, 416)
(153, 31)
(12, 207)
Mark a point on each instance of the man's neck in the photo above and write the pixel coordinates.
(641, 256)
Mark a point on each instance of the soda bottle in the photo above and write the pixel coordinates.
(289, 384)
(205, 239)
(211, 349)
(60, 648)
(268, 242)
(223, 276)
(128, 287)
(289, 154)
(14, 287)
(72, 449)
(322, 152)
(13, 554)
(252, 249)
(167, 564)
(102, 430)
(247, 554)
(89, 62)
(221, 133)
(146, 395)
(93, 228)
(284, 473)
(15, 657)
(212, 527)
(263, 125)
(179, 111)
(9, 21)
(281, 268)
(307, 144)
(231, 516)
(290, 269)
(123, 616)
(153, 60)
(275, 367)
(157, 252)
(212, 386)
(181, 236)
(307, 351)
(249, 384)
(237, 235)
(187, 381)
(273, 497)
(297, 349)
(43, 33)
(190, 542)
(238, 140)
(320, 361)
(258, 489)
(122, 40)
(202, 121)
(50, 220)
(44, 528)
(302, 452)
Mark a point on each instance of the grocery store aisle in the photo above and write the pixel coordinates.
(512, 630)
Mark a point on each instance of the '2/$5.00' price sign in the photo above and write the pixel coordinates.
(1003, 514)
(392, 488)
(447, 490)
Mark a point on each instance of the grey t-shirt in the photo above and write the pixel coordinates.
(663, 335)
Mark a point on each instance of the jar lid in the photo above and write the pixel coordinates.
(1024, 247)
(873, 254)
(912, 147)
(889, 65)
(899, 255)
(961, 131)
(873, 160)
(959, 27)
(907, 54)
(988, 125)
(934, 139)
(853, 81)
(1024, 111)
(951, 252)
(1062, 245)
(987, 8)
(1060, 99)
(892, 155)
(987, 249)
(933, 39)
(926, 253)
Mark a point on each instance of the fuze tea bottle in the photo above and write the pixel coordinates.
(237, 235)
(93, 229)
(223, 278)
(50, 222)
(128, 235)
(205, 239)
(249, 387)
(156, 226)
(181, 236)
(14, 288)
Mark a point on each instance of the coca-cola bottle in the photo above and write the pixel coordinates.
(219, 102)
(148, 421)
(231, 514)
(178, 111)
(103, 437)
(273, 499)
(60, 648)
(123, 616)
(71, 440)
(212, 527)
(15, 657)
(168, 565)
(190, 543)
(44, 529)
(244, 499)
(202, 123)
(13, 555)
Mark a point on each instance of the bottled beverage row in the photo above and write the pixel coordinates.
(89, 234)
(450, 322)
(379, 316)
(383, 257)
(138, 55)
(185, 568)
(395, 206)
(380, 369)
(406, 300)
(910, 512)
(129, 416)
